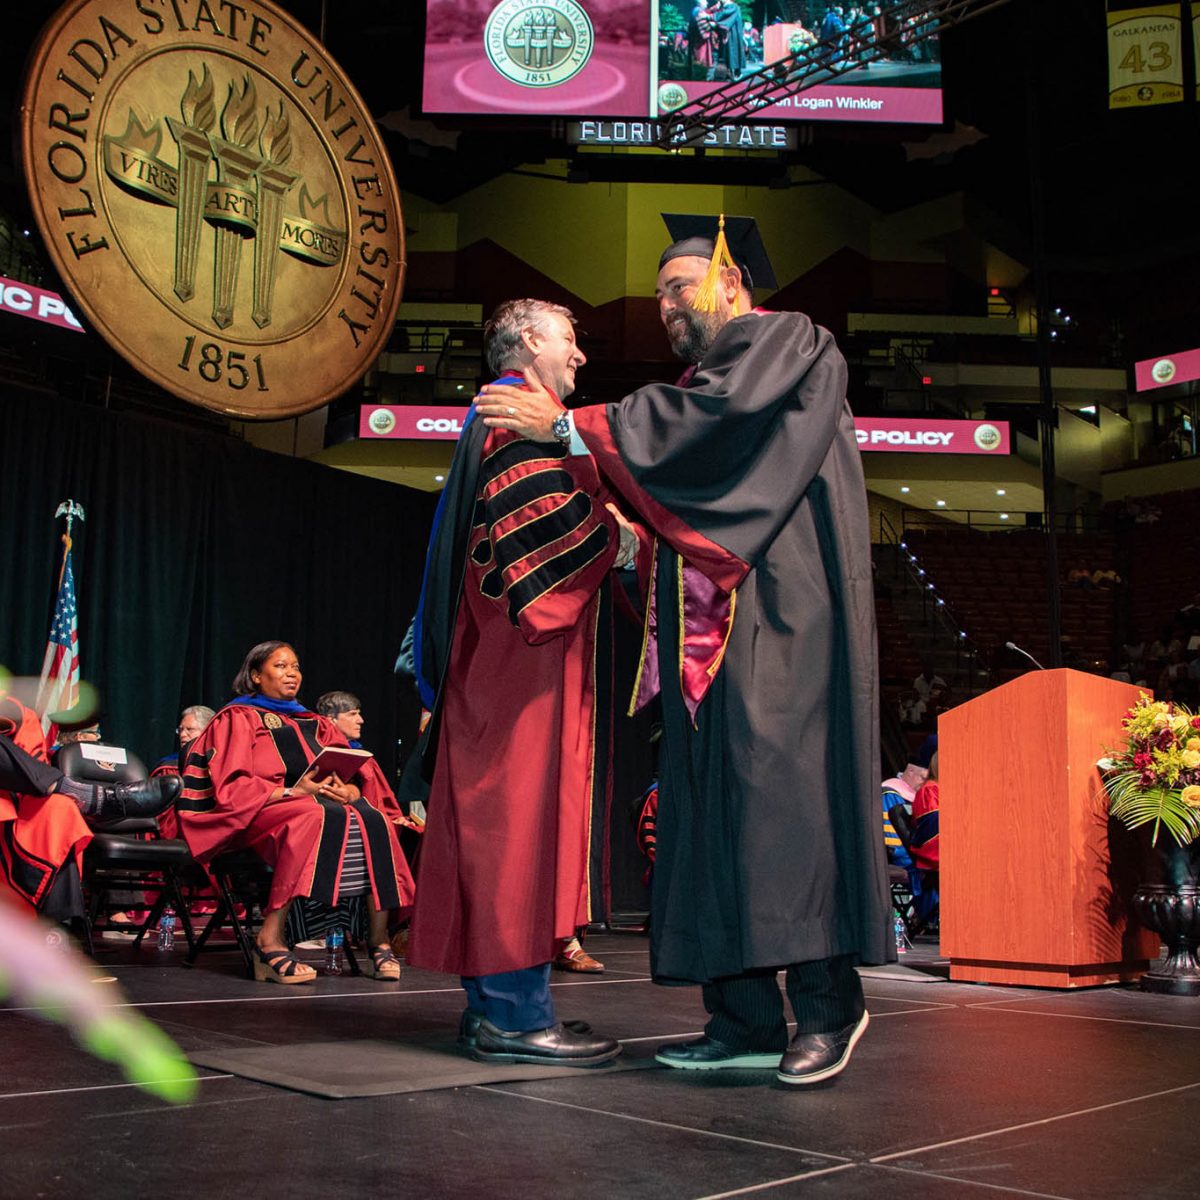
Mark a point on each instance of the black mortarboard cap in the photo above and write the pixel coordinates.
(695, 235)
(924, 755)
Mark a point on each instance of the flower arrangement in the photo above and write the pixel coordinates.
(1155, 776)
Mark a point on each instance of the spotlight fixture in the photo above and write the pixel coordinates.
(906, 490)
(941, 504)
(1001, 492)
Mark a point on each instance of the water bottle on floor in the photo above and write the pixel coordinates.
(166, 929)
(333, 952)
(901, 935)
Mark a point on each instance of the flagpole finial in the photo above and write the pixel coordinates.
(71, 509)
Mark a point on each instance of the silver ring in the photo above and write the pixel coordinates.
(511, 410)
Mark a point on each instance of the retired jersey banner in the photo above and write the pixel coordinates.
(1196, 44)
(1145, 55)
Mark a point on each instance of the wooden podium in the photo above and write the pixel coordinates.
(1029, 895)
(775, 41)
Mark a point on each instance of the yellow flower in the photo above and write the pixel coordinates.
(1191, 796)
(1167, 764)
(1191, 759)
(1192, 744)
(1180, 723)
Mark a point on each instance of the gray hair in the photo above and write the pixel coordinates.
(333, 704)
(502, 333)
(201, 712)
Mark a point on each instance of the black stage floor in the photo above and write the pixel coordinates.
(955, 1091)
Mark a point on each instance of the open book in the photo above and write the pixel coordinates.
(342, 761)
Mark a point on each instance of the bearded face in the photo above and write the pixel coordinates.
(691, 333)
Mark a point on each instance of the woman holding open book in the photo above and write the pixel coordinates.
(268, 775)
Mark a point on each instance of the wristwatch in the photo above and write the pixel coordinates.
(561, 427)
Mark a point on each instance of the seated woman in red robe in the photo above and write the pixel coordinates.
(247, 786)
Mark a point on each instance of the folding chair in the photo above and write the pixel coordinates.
(243, 881)
(130, 855)
(125, 856)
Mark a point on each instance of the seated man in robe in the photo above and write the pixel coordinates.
(43, 830)
(900, 826)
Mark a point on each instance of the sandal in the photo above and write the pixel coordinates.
(280, 966)
(384, 964)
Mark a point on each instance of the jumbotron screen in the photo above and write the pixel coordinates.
(649, 58)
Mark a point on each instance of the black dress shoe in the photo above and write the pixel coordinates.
(556, 1046)
(468, 1027)
(146, 798)
(707, 1054)
(812, 1057)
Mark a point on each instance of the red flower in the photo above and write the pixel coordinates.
(1142, 760)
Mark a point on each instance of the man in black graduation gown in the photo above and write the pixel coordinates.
(769, 851)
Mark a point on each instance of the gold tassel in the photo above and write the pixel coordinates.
(705, 299)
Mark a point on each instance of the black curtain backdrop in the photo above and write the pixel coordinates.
(195, 548)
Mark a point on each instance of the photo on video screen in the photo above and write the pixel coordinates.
(649, 58)
(886, 56)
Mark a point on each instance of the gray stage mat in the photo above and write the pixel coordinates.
(377, 1067)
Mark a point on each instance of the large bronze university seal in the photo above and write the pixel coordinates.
(216, 197)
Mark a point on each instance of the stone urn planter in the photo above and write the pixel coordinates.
(1172, 910)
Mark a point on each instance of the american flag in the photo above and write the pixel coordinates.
(59, 686)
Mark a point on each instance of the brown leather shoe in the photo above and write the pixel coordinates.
(400, 943)
(573, 957)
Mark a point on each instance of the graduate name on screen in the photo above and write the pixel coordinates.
(868, 103)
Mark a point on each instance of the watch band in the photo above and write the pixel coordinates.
(561, 428)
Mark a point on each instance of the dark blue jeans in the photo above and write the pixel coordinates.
(513, 1001)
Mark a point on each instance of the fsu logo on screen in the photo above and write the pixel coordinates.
(987, 437)
(538, 43)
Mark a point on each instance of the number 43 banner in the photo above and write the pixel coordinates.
(1145, 54)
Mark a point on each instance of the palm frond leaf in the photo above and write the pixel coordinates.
(1135, 806)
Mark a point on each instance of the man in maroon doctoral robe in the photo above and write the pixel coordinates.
(506, 645)
(768, 853)
(43, 833)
